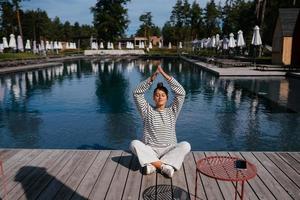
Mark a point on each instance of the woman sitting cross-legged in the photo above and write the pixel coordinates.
(159, 148)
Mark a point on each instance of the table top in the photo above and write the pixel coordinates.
(223, 168)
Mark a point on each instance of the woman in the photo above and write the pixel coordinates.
(159, 148)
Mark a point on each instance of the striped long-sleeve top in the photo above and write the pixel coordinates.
(159, 126)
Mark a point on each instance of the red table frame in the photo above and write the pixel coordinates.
(223, 168)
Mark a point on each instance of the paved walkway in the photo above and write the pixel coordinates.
(234, 71)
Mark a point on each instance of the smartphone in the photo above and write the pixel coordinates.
(240, 164)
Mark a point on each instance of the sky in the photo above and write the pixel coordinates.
(79, 10)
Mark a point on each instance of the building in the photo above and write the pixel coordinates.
(286, 38)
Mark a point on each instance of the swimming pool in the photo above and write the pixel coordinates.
(88, 104)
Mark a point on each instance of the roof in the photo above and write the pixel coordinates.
(288, 19)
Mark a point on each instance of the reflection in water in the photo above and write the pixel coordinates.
(89, 104)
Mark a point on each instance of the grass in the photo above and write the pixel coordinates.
(18, 56)
(9, 56)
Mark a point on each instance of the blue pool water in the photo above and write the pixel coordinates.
(86, 104)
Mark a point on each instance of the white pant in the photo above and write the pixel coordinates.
(173, 155)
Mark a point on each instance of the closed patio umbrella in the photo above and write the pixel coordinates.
(34, 49)
(159, 45)
(170, 45)
(5, 43)
(119, 46)
(240, 39)
(27, 45)
(101, 45)
(1, 48)
(60, 45)
(180, 45)
(150, 45)
(256, 41)
(20, 43)
(213, 41)
(217, 40)
(231, 43)
(12, 42)
(225, 43)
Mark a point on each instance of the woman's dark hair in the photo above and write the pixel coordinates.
(160, 86)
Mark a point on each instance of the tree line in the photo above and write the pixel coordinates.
(187, 22)
(37, 25)
(190, 21)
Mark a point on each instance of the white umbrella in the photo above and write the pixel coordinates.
(74, 45)
(240, 40)
(48, 47)
(42, 45)
(256, 39)
(159, 45)
(119, 45)
(55, 45)
(217, 40)
(27, 45)
(213, 42)
(34, 49)
(150, 45)
(12, 42)
(101, 45)
(231, 43)
(225, 43)
(180, 45)
(20, 43)
(108, 45)
(170, 45)
(59, 45)
(5, 44)
(1, 47)
(51, 45)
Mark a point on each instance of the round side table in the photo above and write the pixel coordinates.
(224, 168)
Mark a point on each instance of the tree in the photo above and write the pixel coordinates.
(147, 28)
(110, 19)
(212, 18)
(196, 21)
(8, 19)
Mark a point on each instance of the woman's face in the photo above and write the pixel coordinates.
(160, 98)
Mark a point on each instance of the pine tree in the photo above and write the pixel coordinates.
(110, 19)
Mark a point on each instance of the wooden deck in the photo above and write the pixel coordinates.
(82, 174)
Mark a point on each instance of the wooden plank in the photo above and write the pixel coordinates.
(289, 186)
(211, 187)
(59, 180)
(148, 185)
(118, 183)
(295, 155)
(76, 177)
(248, 192)
(256, 185)
(133, 184)
(22, 157)
(36, 171)
(15, 173)
(179, 185)
(34, 191)
(103, 183)
(163, 187)
(287, 169)
(290, 160)
(90, 178)
(272, 185)
(190, 174)
(8, 153)
(226, 187)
